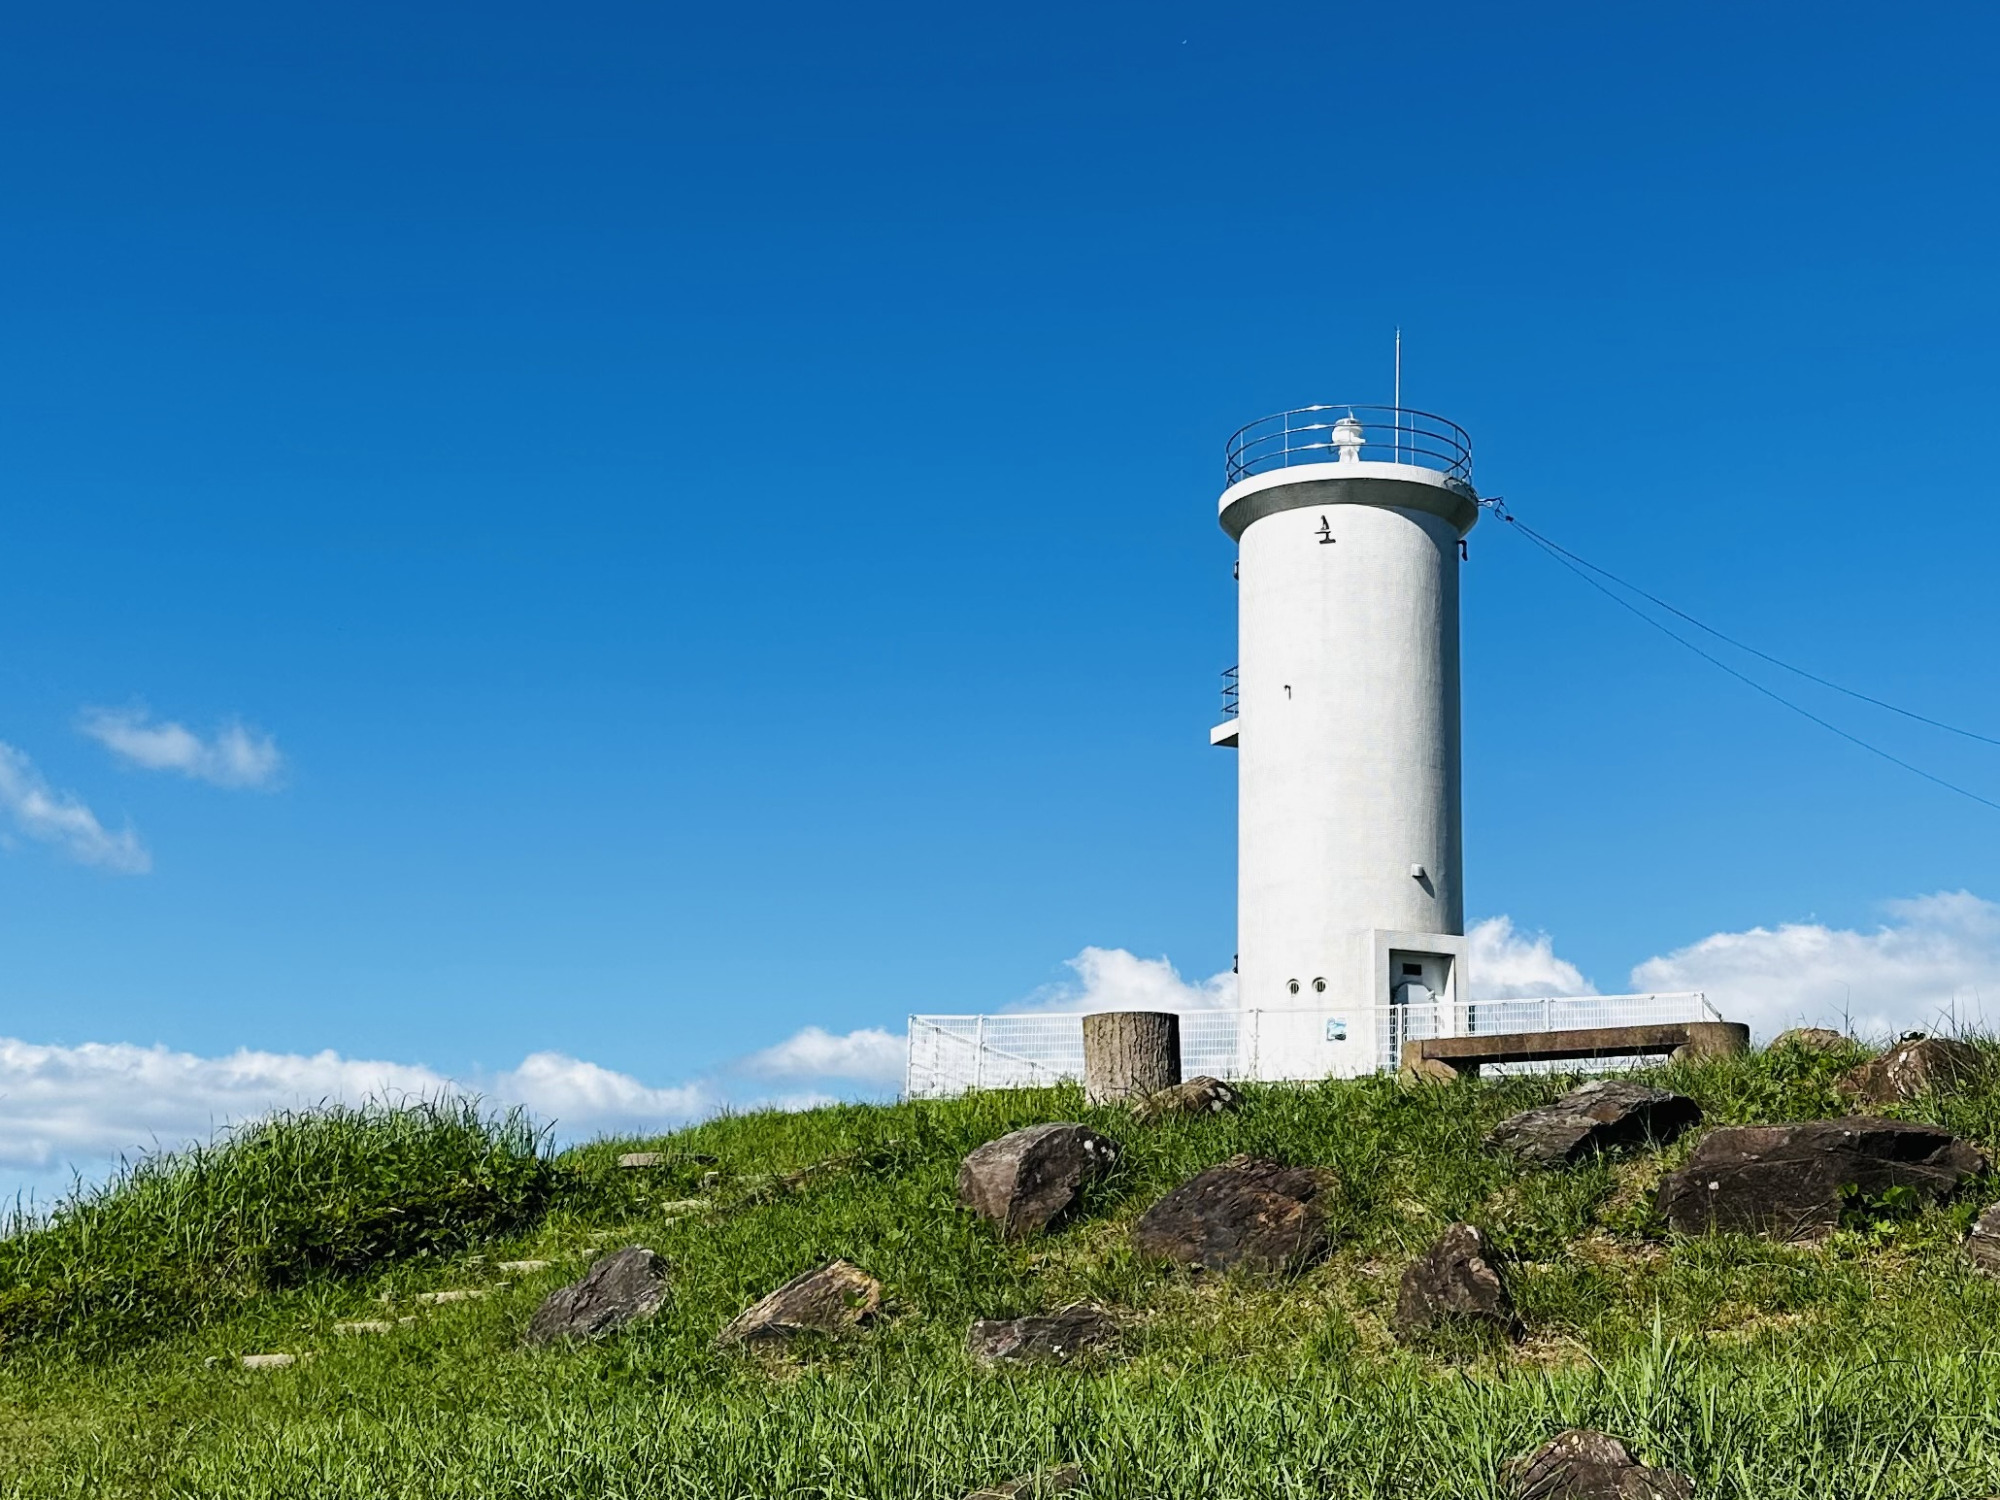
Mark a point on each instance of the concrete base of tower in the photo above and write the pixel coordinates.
(1394, 987)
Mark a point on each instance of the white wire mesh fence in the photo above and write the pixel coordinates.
(951, 1054)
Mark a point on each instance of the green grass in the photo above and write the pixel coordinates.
(296, 1198)
(1868, 1366)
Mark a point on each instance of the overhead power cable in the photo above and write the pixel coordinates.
(1584, 569)
(1547, 545)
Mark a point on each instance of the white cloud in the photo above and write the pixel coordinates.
(1114, 979)
(1504, 964)
(58, 818)
(585, 1098)
(98, 1100)
(870, 1056)
(1509, 965)
(1934, 964)
(234, 756)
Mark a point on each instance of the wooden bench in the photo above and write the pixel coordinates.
(1442, 1058)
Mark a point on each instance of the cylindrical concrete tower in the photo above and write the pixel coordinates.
(1349, 523)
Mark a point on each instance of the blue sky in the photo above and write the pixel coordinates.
(713, 512)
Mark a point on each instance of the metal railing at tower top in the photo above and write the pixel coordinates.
(1349, 434)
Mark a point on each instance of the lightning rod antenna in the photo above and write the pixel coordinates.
(1398, 418)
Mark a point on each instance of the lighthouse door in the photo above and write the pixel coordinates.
(1416, 980)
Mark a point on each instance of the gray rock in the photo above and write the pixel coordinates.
(1983, 1243)
(1249, 1212)
(1025, 1181)
(835, 1298)
(1601, 1116)
(1914, 1067)
(1812, 1039)
(1455, 1281)
(1585, 1465)
(1052, 1338)
(1197, 1096)
(1062, 1481)
(622, 1288)
(1790, 1182)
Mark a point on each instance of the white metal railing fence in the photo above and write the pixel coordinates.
(951, 1054)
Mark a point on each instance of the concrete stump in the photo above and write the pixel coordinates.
(1129, 1054)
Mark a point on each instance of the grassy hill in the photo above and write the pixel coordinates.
(1865, 1366)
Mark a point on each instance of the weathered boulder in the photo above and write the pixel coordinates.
(1983, 1243)
(1585, 1465)
(1197, 1096)
(1790, 1181)
(1914, 1067)
(1453, 1282)
(1812, 1039)
(1051, 1338)
(835, 1298)
(619, 1289)
(1249, 1212)
(1600, 1116)
(1034, 1486)
(1025, 1181)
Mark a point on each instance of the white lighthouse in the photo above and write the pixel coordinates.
(1349, 523)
